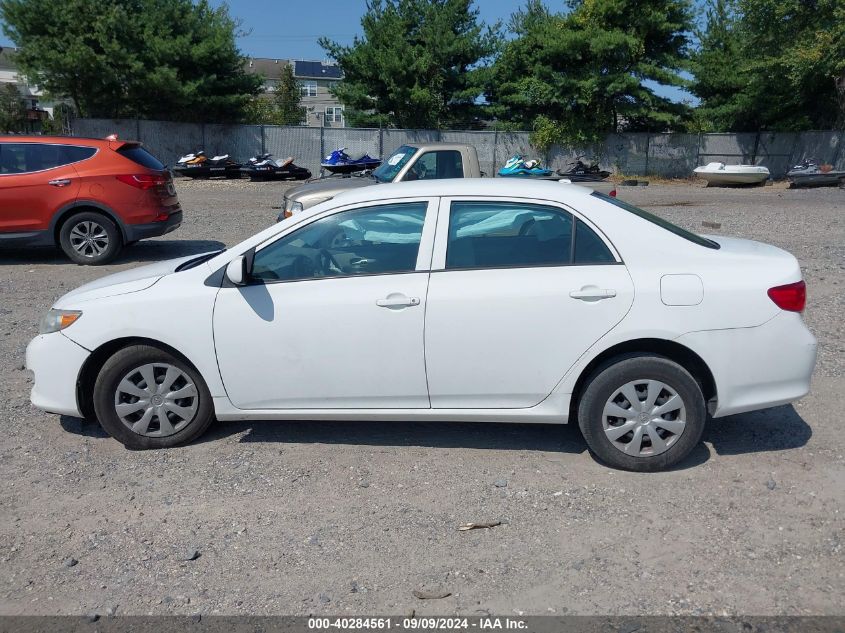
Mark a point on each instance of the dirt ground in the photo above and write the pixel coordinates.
(330, 517)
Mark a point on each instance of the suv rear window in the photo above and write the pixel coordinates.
(654, 219)
(141, 156)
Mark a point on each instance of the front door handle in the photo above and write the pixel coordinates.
(60, 182)
(592, 293)
(397, 300)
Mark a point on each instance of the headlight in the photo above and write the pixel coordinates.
(55, 320)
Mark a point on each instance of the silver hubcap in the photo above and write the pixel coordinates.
(156, 400)
(89, 239)
(644, 418)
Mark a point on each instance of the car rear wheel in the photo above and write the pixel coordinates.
(90, 238)
(147, 398)
(642, 413)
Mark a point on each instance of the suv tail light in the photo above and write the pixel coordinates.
(143, 181)
(790, 297)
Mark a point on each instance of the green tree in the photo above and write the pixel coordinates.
(417, 65)
(574, 77)
(12, 110)
(261, 110)
(288, 98)
(773, 65)
(167, 59)
(720, 72)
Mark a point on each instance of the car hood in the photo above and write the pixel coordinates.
(311, 193)
(123, 282)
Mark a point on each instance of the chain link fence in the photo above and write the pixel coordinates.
(637, 154)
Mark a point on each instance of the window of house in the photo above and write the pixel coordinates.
(308, 89)
(334, 115)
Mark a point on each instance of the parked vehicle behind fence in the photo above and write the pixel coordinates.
(91, 197)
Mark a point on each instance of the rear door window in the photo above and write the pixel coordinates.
(21, 158)
(141, 156)
(507, 235)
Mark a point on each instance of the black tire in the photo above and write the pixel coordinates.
(95, 224)
(609, 378)
(125, 361)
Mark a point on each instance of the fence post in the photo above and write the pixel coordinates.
(756, 147)
(838, 149)
(495, 147)
(137, 129)
(263, 141)
(202, 129)
(380, 140)
(647, 151)
(322, 140)
(698, 150)
(792, 151)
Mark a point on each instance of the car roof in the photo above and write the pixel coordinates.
(503, 187)
(63, 140)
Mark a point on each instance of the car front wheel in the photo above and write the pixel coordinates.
(642, 413)
(147, 398)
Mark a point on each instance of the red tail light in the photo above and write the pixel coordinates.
(790, 297)
(612, 193)
(143, 181)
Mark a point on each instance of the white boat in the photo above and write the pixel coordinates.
(721, 174)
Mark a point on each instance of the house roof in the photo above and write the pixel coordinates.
(269, 68)
(316, 70)
(302, 69)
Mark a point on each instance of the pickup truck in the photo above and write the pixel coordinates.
(425, 161)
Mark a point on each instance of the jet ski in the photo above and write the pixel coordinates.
(198, 165)
(518, 166)
(810, 174)
(339, 162)
(581, 172)
(265, 167)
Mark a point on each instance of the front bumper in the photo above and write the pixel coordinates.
(56, 362)
(135, 232)
(757, 367)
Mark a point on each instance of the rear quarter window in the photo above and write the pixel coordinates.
(140, 156)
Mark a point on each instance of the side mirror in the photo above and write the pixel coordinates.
(239, 270)
(236, 271)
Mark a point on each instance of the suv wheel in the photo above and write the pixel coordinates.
(146, 398)
(642, 413)
(90, 238)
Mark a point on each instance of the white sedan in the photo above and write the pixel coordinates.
(481, 300)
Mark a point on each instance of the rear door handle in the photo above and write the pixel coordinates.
(60, 182)
(592, 293)
(397, 300)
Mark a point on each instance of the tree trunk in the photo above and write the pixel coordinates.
(840, 94)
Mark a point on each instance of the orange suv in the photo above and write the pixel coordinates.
(89, 196)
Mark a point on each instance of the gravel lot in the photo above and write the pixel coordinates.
(323, 517)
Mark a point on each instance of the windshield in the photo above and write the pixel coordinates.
(654, 219)
(389, 168)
